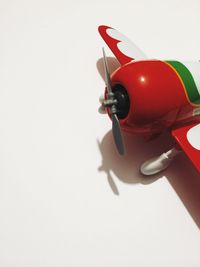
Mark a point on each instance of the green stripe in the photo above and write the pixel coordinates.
(188, 81)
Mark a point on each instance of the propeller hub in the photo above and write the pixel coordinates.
(109, 102)
(122, 99)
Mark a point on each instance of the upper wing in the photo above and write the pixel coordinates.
(121, 46)
(188, 137)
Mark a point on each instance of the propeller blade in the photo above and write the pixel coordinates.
(107, 74)
(115, 122)
(116, 130)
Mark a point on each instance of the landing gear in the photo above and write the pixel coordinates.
(160, 163)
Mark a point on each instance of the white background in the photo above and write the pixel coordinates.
(66, 197)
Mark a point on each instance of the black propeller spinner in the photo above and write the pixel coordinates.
(113, 101)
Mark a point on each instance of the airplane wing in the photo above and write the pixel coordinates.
(188, 137)
(120, 45)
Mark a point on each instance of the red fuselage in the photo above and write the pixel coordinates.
(157, 96)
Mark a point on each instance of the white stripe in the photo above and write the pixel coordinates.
(125, 46)
(194, 68)
(193, 136)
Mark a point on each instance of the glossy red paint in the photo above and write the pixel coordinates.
(156, 95)
(180, 135)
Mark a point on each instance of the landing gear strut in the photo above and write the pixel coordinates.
(160, 163)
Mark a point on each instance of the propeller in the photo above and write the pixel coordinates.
(111, 103)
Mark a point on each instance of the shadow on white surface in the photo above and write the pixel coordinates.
(185, 180)
(126, 168)
(182, 175)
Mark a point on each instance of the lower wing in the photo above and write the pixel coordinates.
(188, 137)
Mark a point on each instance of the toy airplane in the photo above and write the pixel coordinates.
(149, 96)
